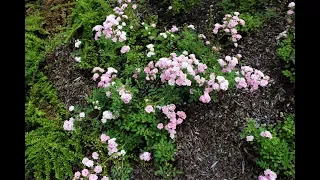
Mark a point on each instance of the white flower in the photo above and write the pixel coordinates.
(191, 26)
(77, 44)
(202, 36)
(89, 163)
(212, 76)
(150, 54)
(78, 59)
(164, 35)
(236, 44)
(292, 4)
(150, 46)
(236, 13)
(220, 78)
(185, 52)
(123, 152)
(103, 120)
(107, 115)
(71, 108)
(119, 27)
(111, 70)
(170, 7)
(123, 24)
(82, 115)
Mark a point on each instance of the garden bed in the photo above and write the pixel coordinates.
(208, 141)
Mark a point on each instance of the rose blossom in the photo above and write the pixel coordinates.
(250, 138)
(104, 138)
(145, 156)
(85, 172)
(93, 177)
(266, 134)
(149, 109)
(95, 155)
(98, 169)
(160, 126)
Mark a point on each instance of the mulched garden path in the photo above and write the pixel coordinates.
(208, 141)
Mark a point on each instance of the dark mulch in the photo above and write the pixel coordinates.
(73, 85)
(208, 142)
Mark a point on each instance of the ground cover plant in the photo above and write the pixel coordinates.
(143, 75)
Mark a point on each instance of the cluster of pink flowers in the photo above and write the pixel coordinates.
(291, 6)
(93, 172)
(253, 78)
(136, 72)
(150, 71)
(104, 138)
(221, 84)
(107, 115)
(266, 134)
(68, 124)
(146, 156)
(175, 118)
(108, 31)
(149, 109)
(173, 66)
(113, 150)
(115, 34)
(151, 50)
(229, 26)
(268, 175)
(232, 62)
(112, 146)
(124, 95)
(106, 78)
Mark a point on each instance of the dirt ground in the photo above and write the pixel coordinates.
(208, 142)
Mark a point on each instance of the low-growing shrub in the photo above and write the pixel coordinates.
(276, 145)
(182, 6)
(255, 13)
(50, 153)
(286, 45)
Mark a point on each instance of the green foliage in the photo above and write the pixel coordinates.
(278, 153)
(135, 130)
(286, 52)
(253, 23)
(50, 152)
(85, 15)
(35, 46)
(182, 6)
(249, 6)
(254, 12)
(43, 107)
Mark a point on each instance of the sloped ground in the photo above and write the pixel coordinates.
(208, 142)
